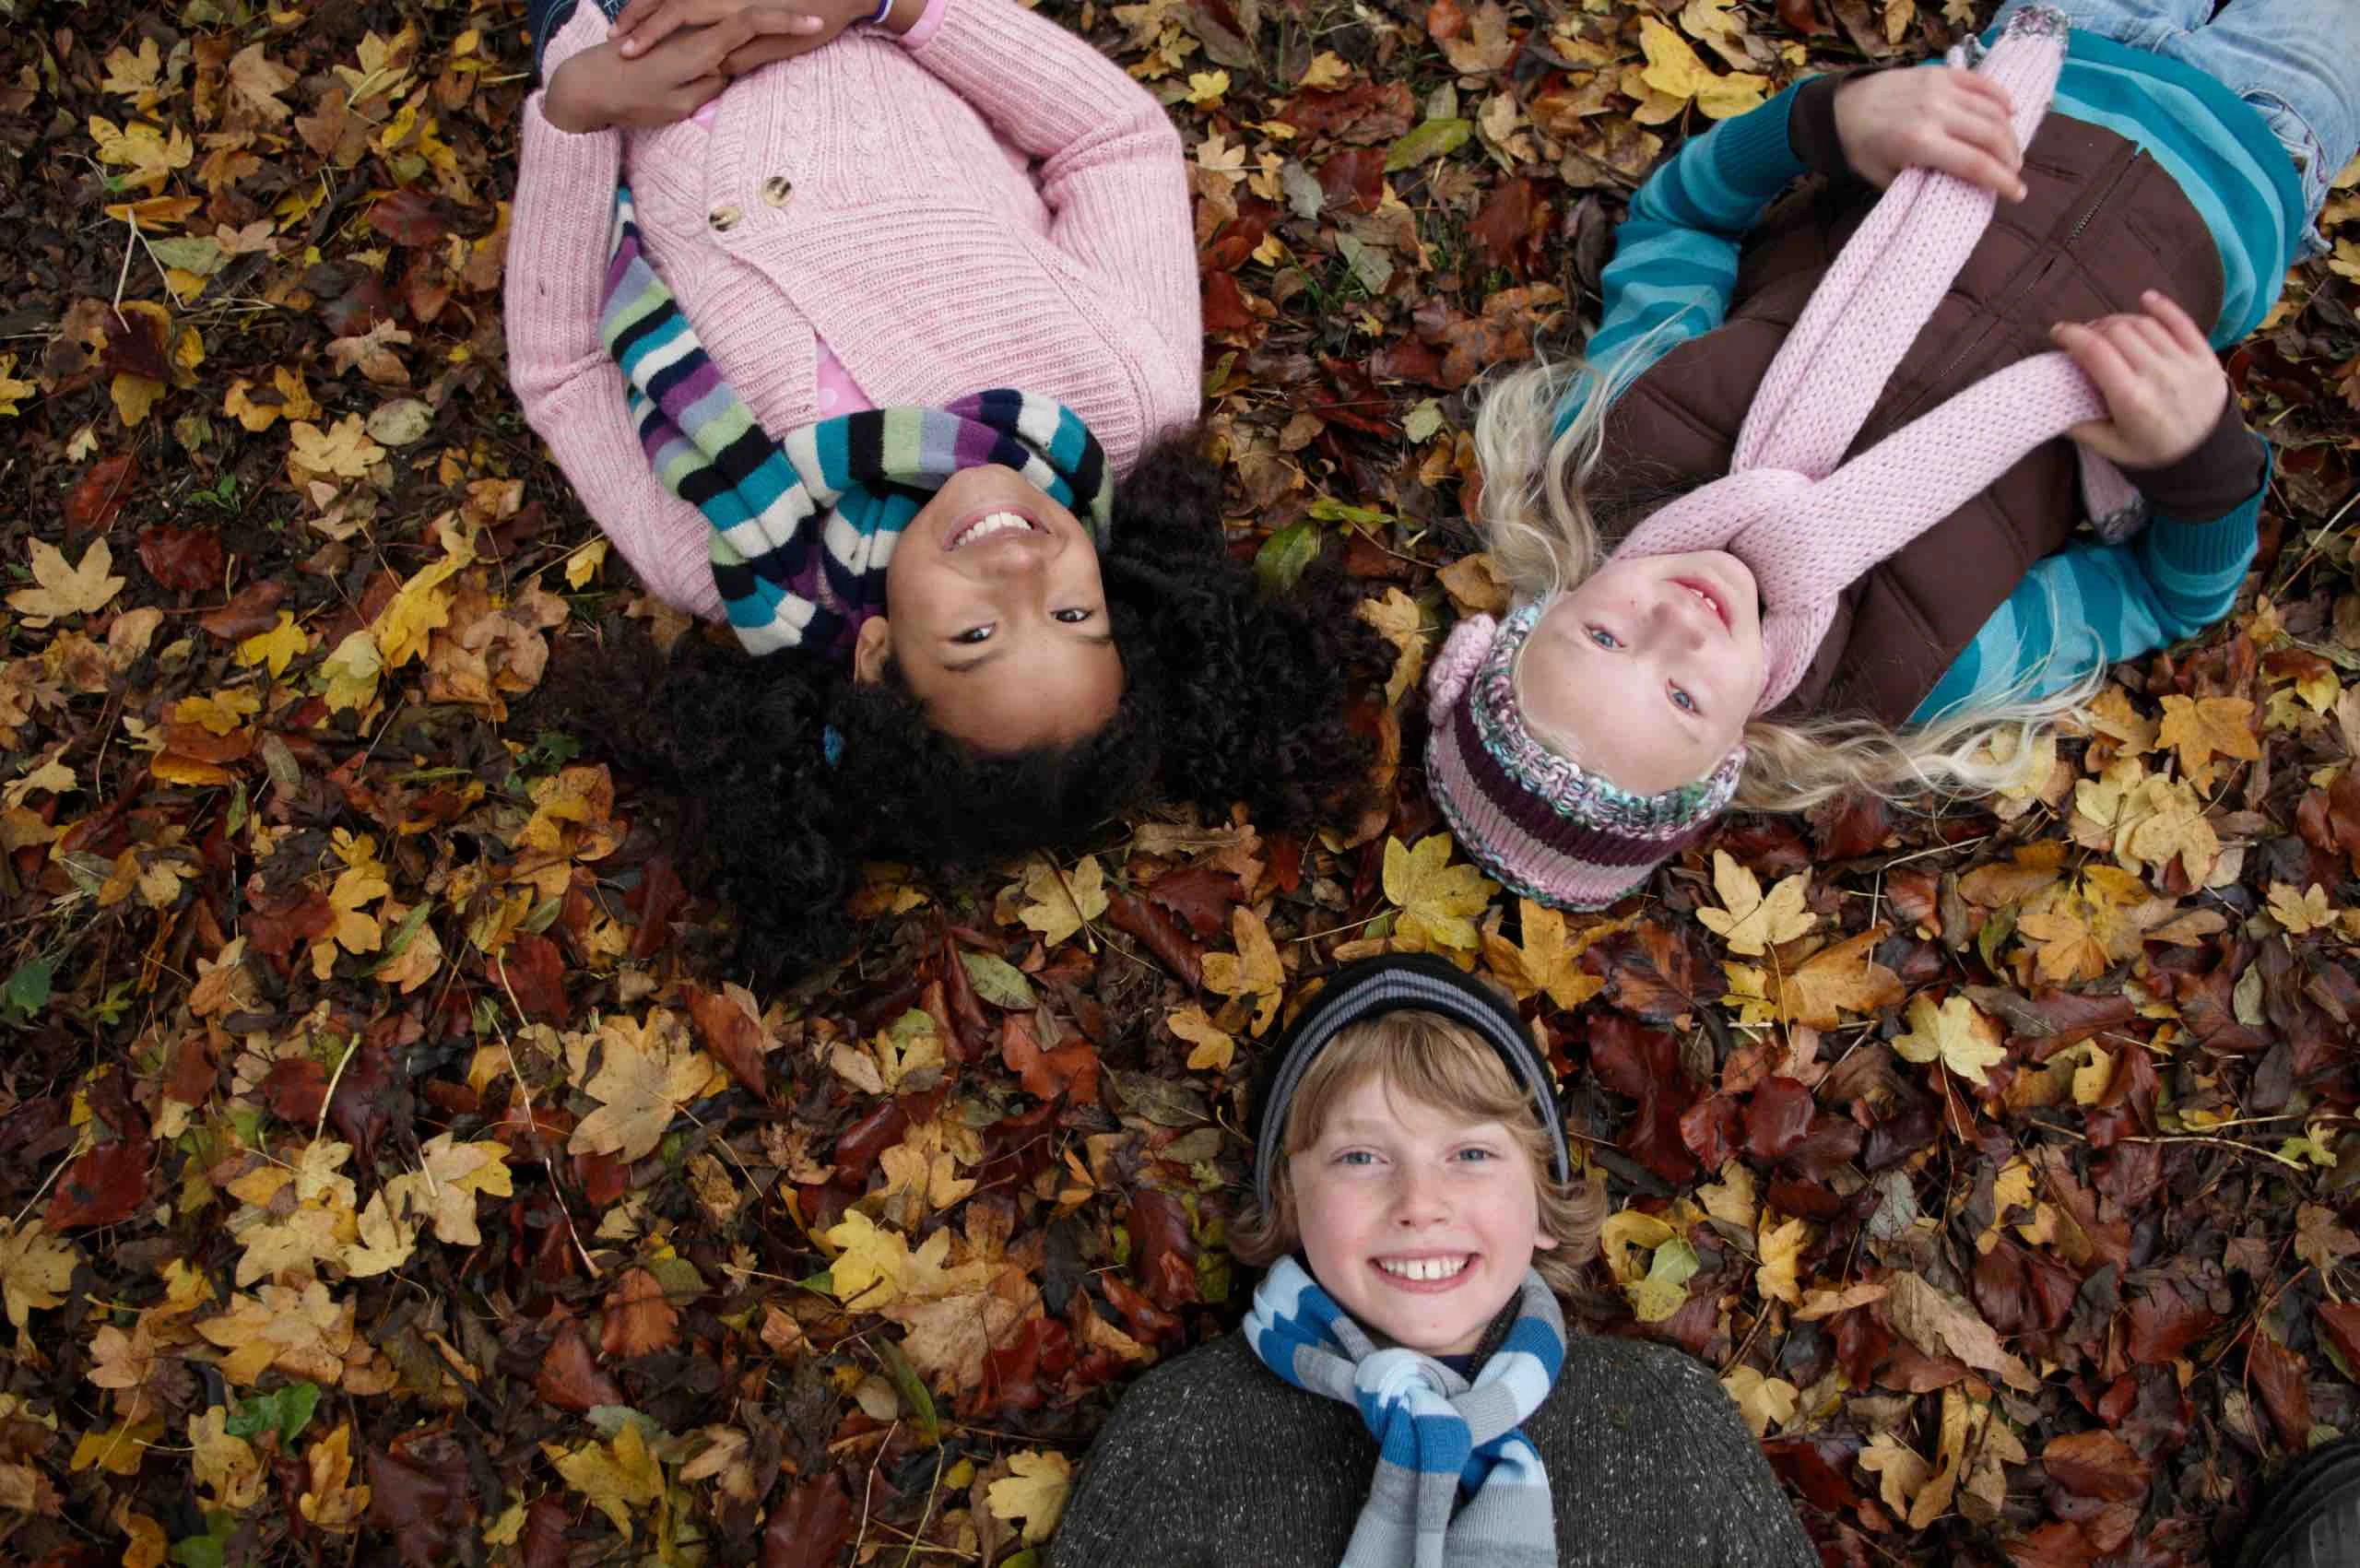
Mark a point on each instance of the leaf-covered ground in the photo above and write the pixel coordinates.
(388, 1172)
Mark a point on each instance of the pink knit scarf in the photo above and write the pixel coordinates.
(1804, 521)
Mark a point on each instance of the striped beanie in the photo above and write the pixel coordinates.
(1550, 830)
(1370, 988)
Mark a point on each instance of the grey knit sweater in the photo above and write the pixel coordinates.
(1210, 1461)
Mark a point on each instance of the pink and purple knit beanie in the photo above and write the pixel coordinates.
(1547, 828)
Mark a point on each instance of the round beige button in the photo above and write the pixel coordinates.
(778, 190)
(726, 217)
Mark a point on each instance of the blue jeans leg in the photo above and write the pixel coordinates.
(2296, 62)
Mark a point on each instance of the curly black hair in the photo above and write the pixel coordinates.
(1230, 694)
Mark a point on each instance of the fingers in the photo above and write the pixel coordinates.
(2101, 357)
(1975, 85)
(767, 47)
(2176, 322)
(643, 24)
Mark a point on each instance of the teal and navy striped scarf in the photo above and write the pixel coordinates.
(1435, 1431)
(803, 526)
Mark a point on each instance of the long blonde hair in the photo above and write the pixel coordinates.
(1536, 517)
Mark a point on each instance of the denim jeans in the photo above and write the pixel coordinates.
(2297, 62)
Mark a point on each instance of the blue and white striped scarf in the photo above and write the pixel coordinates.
(1435, 1433)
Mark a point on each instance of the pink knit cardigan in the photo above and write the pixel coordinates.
(877, 198)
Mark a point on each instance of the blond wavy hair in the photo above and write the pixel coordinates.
(1428, 1058)
(1538, 525)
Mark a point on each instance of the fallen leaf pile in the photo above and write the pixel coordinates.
(389, 1171)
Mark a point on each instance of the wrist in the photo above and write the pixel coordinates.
(564, 105)
(898, 17)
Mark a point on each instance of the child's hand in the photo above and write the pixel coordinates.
(643, 24)
(2164, 388)
(1942, 117)
(600, 88)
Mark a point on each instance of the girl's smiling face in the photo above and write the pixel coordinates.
(1419, 1221)
(997, 617)
(1647, 671)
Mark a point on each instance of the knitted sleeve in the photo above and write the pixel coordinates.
(1129, 1501)
(1676, 254)
(1731, 1492)
(571, 389)
(1112, 173)
(2092, 604)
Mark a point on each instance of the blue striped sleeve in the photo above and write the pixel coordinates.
(1676, 254)
(2092, 604)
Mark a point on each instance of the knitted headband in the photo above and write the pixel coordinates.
(1550, 828)
(1370, 988)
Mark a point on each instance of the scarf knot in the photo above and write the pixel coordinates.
(1438, 1434)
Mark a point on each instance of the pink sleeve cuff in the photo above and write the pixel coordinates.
(929, 22)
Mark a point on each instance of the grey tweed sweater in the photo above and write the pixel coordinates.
(1211, 1461)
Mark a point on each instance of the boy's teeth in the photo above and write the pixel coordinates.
(986, 526)
(1423, 1267)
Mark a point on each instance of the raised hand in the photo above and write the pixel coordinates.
(1939, 117)
(2164, 387)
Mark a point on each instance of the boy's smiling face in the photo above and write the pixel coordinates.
(1420, 1222)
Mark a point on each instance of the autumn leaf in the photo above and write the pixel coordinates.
(1953, 1034)
(1901, 1471)
(647, 1073)
(1437, 899)
(1748, 922)
(34, 1268)
(1252, 973)
(617, 1478)
(1763, 1402)
(1548, 960)
(330, 1501)
(1056, 903)
(1214, 1047)
(1674, 71)
(2300, 914)
(2203, 728)
(1034, 1492)
(1400, 620)
(63, 590)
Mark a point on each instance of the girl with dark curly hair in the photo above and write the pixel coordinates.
(853, 356)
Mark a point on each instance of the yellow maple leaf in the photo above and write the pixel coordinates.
(1548, 960)
(294, 400)
(1840, 979)
(1251, 973)
(617, 1478)
(1326, 73)
(351, 674)
(1780, 1248)
(342, 451)
(1764, 1402)
(65, 590)
(1674, 70)
(12, 391)
(2201, 728)
(1036, 1492)
(118, 1450)
(582, 564)
(1058, 904)
(1901, 1471)
(2300, 913)
(875, 1267)
(34, 1266)
(1206, 87)
(227, 1466)
(1954, 1035)
(276, 648)
(330, 1501)
(1437, 899)
(1214, 1046)
(414, 614)
(1749, 923)
(646, 1074)
(1397, 618)
(146, 151)
(444, 1188)
(133, 75)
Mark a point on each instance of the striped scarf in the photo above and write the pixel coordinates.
(803, 527)
(1435, 1433)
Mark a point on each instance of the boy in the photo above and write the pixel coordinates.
(1405, 1392)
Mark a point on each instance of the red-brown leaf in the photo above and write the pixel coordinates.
(639, 1321)
(533, 972)
(186, 560)
(100, 493)
(809, 1525)
(2162, 1323)
(1777, 1119)
(2278, 1376)
(407, 218)
(2096, 1464)
(421, 1496)
(731, 1035)
(1163, 1253)
(255, 609)
(104, 1187)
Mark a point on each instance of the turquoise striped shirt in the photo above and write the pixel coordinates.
(1674, 271)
